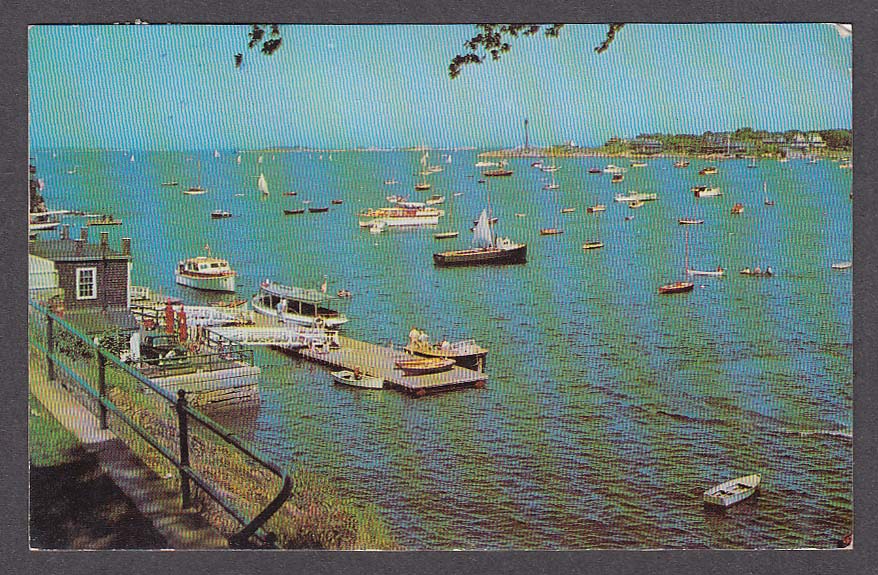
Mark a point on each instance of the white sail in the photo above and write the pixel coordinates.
(216, 154)
(263, 185)
(424, 159)
(483, 237)
(238, 159)
(259, 161)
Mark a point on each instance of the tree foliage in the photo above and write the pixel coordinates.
(267, 44)
(493, 40)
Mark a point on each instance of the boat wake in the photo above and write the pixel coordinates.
(828, 432)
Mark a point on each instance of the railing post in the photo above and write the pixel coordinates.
(102, 386)
(50, 345)
(184, 448)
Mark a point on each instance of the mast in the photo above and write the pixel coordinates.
(526, 147)
(687, 249)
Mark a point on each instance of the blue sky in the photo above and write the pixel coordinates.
(175, 86)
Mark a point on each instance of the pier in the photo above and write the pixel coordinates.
(381, 361)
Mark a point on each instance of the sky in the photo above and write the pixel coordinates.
(175, 87)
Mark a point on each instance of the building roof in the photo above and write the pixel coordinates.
(95, 321)
(66, 250)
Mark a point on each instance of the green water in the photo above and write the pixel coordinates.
(609, 408)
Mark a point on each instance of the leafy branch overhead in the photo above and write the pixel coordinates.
(494, 40)
(268, 45)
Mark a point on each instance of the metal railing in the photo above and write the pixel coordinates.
(251, 533)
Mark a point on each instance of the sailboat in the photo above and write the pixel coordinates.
(689, 271)
(595, 243)
(196, 190)
(554, 231)
(423, 185)
(553, 185)
(132, 158)
(263, 185)
(768, 201)
(238, 159)
(679, 286)
(216, 154)
(450, 233)
(487, 249)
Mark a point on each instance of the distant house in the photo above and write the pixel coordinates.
(815, 141)
(799, 141)
(646, 146)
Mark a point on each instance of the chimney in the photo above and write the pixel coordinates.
(105, 239)
(83, 234)
(79, 243)
(65, 231)
(126, 246)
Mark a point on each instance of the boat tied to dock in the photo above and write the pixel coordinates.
(206, 273)
(465, 353)
(308, 307)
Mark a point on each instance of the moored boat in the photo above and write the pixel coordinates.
(738, 209)
(319, 210)
(636, 197)
(635, 204)
(708, 171)
(357, 378)
(594, 170)
(195, 191)
(104, 220)
(294, 211)
(592, 245)
(758, 272)
(435, 199)
(733, 491)
(568, 210)
(445, 235)
(220, 214)
(205, 273)
(635, 164)
(425, 365)
(297, 305)
(689, 221)
(488, 249)
(705, 192)
(681, 164)
(498, 173)
(397, 216)
(676, 287)
(617, 178)
(550, 231)
(596, 208)
(336, 202)
(465, 353)
(842, 265)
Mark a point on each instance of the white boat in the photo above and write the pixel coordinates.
(263, 185)
(435, 199)
(259, 160)
(734, 491)
(842, 265)
(705, 191)
(636, 197)
(552, 185)
(132, 158)
(613, 169)
(411, 205)
(206, 273)
(196, 190)
(216, 154)
(357, 379)
(391, 182)
(398, 217)
(238, 159)
(395, 198)
(484, 164)
(297, 305)
(377, 227)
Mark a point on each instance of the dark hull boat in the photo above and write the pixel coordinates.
(483, 256)
(318, 210)
(294, 211)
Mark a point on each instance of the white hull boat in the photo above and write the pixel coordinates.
(355, 379)
(734, 491)
(206, 273)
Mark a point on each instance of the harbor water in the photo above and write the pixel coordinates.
(609, 408)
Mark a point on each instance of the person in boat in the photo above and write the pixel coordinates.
(768, 271)
(719, 269)
(414, 335)
(745, 271)
(358, 373)
(757, 270)
(444, 346)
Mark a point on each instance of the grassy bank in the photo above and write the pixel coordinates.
(315, 516)
(73, 504)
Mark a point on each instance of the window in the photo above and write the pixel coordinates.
(86, 283)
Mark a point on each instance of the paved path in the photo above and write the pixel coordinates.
(154, 497)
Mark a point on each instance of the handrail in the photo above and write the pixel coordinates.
(251, 528)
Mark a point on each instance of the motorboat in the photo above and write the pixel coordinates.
(676, 287)
(465, 353)
(220, 214)
(288, 304)
(206, 273)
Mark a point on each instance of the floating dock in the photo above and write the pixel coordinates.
(381, 361)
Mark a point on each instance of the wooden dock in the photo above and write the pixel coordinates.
(380, 361)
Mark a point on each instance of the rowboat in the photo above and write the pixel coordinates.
(719, 272)
(568, 210)
(757, 272)
(425, 365)
(595, 209)
(635, 204)
(318, 210)
(294, 211)
(705, 192)
(708, 170)
(842, 265)
(220, 214)
(592, 245)
(445, 235)
(738, 209)
(550, 232)
(676, 287)
(731, 492)
(465, 353)
(357, 379)
(617, 178)
(689, 221)
(336, 202)
(290, 193)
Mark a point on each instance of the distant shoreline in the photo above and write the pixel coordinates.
(591, 153)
